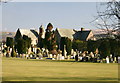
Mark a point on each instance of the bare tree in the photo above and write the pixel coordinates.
(108, 18)
(4, 1)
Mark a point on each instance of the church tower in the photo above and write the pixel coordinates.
(41, 36)
(41, 31)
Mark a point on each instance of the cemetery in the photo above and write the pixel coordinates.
(59, 45)
(82, 46)
(58, 56)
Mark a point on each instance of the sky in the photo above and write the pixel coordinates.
(31, 15)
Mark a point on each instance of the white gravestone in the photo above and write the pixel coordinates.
(118, 59)
(54, 56)
(80, 57)
(74, 54)
(62, 58)
(59, 57)
(50, 55)
(107, 59)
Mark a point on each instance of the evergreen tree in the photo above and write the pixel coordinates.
(67, 42)
(62, 43)
(92, 45)
(68, 46)
(9, 42)
(18, 35)
(40, 42)
(104, 48)
(50, 41)
(115, 47)
(21, 46)
(27, 40)
(79, 45)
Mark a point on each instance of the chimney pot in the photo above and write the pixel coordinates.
(82, 29)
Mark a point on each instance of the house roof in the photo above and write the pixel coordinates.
(82, 35)
(99, 36)
(33, 34)
(66, 32)
(72, 34)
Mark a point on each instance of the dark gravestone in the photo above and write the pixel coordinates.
(76, 58)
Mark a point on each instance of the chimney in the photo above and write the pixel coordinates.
(82, 29)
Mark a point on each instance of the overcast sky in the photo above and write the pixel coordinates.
(61, 14)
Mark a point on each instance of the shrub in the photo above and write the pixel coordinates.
(9, 42)
(67, 42)
(79, 45)
(104, 48)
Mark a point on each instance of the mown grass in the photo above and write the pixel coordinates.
(17, 69)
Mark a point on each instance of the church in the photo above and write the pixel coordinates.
(31, 33)
(83, 35)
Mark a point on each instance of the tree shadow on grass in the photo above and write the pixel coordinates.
(58, 80)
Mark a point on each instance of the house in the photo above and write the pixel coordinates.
(83, 35)
(99, 34)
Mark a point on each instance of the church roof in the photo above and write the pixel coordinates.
(33, 34)
(66, 32)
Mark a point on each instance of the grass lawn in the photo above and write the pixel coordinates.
(17, 69)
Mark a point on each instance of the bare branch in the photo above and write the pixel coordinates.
(109, 18)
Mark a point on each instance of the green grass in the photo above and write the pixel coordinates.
(17, 69)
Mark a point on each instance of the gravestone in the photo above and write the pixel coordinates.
(68, 57)
(71, 57)
(50, 56)
(83, 54)
(31, 55)
(76, 57)
(62, 58)
(29, 50)
(10, 51)
(111, 58)
(43, 49)
(55, 56)
(58, 57)
(35, 50)
(47, 52)
(40, 56)
(107, 59)
(115, 60)
(80, 58)
(118, 59)
(91, 54)
(27, 56)
(65, 52)
(74, 54)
